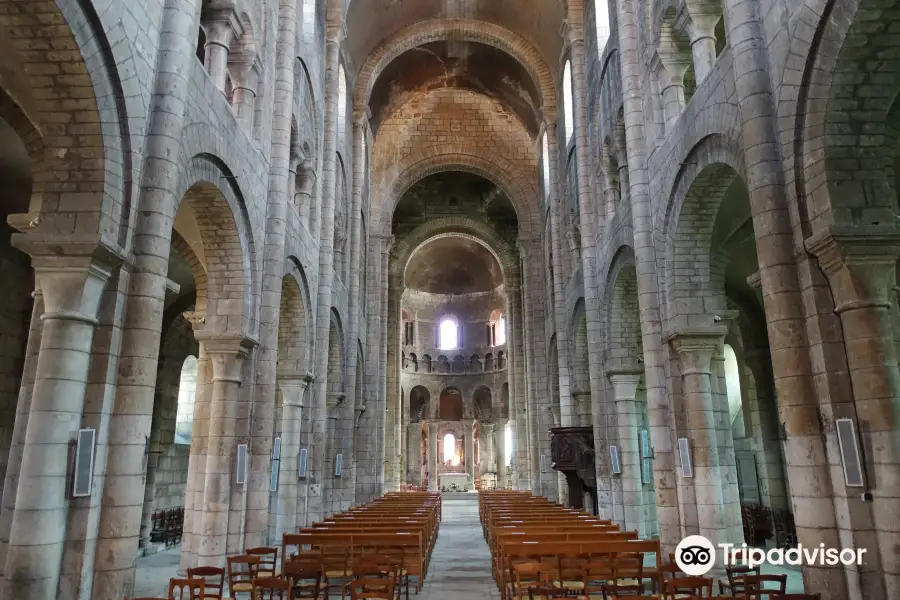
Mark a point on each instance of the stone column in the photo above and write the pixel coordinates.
(23, 410)
(318, 410)
(583, 407)
(470, 452)
(725, 436)
(226, 354)
(193, 502)
(72, 286)
(222, 29)
(355, 305)
(432, 456)
(786, 295)
(625, 382)
(332, 486)
(413, 452)
(673, 91)
(590, 224)
(119, 526)
(765, 427)
(292, 387)
(861, 267)
(623, 178)
(695, 348)
(643, 224)
(486, 443)
(516, 370)
(703, 43)
(245, 98)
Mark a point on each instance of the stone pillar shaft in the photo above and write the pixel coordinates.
(72, 287)
(470, 452)
(432, 457)
(227, 358)
(695, 350)
(219, 35)
(487, 448)
(703, 49)
(119, 527)
(516, 367)
(861, 269)
(625, 383)
(193, 502)
(292, 391)
(23, 410)
(245, 100)
(642, 219)
(318, 413)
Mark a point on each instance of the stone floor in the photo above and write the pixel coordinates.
(461, 562)
(460, 566)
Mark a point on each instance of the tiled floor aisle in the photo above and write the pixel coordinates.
(460, 566)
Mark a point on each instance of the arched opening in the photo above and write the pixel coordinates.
(483, 404)
(568, 106)
(201, 46)
(451, 405)
(733, 392)
(545, 165)
(507, 445)
(187, 388)
(450, 455)
(342, 105)
(449, 334)
(601, 23)
(418, 403)
(497, 329)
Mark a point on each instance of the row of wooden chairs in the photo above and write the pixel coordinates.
(167, 526)
(539, 547)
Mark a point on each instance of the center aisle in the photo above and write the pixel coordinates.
(461, 562)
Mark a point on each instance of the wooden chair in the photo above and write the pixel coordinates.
(545, 593)
(734, 585)
(690, 586)
(796, 597)
(372, 588)
(569, 571)
(305, 575)
(596, 575)
(268, 559)
(338, 572)
(213, 578)
(398, 553)
(755, 586)
(242, 570)
(270, 588)
(193, 588)
(531, 574)
(628, 575)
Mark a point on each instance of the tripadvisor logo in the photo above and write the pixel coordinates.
(696, 555)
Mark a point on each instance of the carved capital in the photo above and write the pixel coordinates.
(695, 347)
(292, 390)
(860, 264)
(226, 353)
(625, 381)
(333, 400)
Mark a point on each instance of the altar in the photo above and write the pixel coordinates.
(460, 479)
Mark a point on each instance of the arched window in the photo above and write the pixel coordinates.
(545, 165)
(507, 446)
(497, 329)
(601, 17)
(568, 107)
(309, 20)
(733, 390)
(450, 457)
(187, 388)
(342, 104)
(448, 334)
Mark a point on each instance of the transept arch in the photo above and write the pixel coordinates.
(457, 30)
(519, 187)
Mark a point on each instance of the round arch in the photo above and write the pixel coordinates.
(457, 30)
(450, 404)
(519, 187)
(103, 128)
